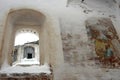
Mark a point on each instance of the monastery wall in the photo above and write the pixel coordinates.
(71, 17)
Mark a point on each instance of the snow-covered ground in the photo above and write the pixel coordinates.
(26, 61)
(27, 69)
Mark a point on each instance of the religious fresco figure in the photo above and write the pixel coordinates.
(108, 55)
(106, 42)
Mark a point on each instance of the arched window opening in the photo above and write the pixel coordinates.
(50, 44)
(26, 47)
(29, 52)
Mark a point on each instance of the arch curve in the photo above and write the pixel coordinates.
(49, 33)
(26, 17)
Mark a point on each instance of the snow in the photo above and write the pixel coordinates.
(27, 69)
(26, 61)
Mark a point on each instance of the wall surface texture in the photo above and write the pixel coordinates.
(70, 16)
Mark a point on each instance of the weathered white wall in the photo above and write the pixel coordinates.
(71, 16)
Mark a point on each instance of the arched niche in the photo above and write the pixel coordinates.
(49, 34)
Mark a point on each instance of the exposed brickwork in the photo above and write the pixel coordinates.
(26, 76)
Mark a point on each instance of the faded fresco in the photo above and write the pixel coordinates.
(103, 36)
